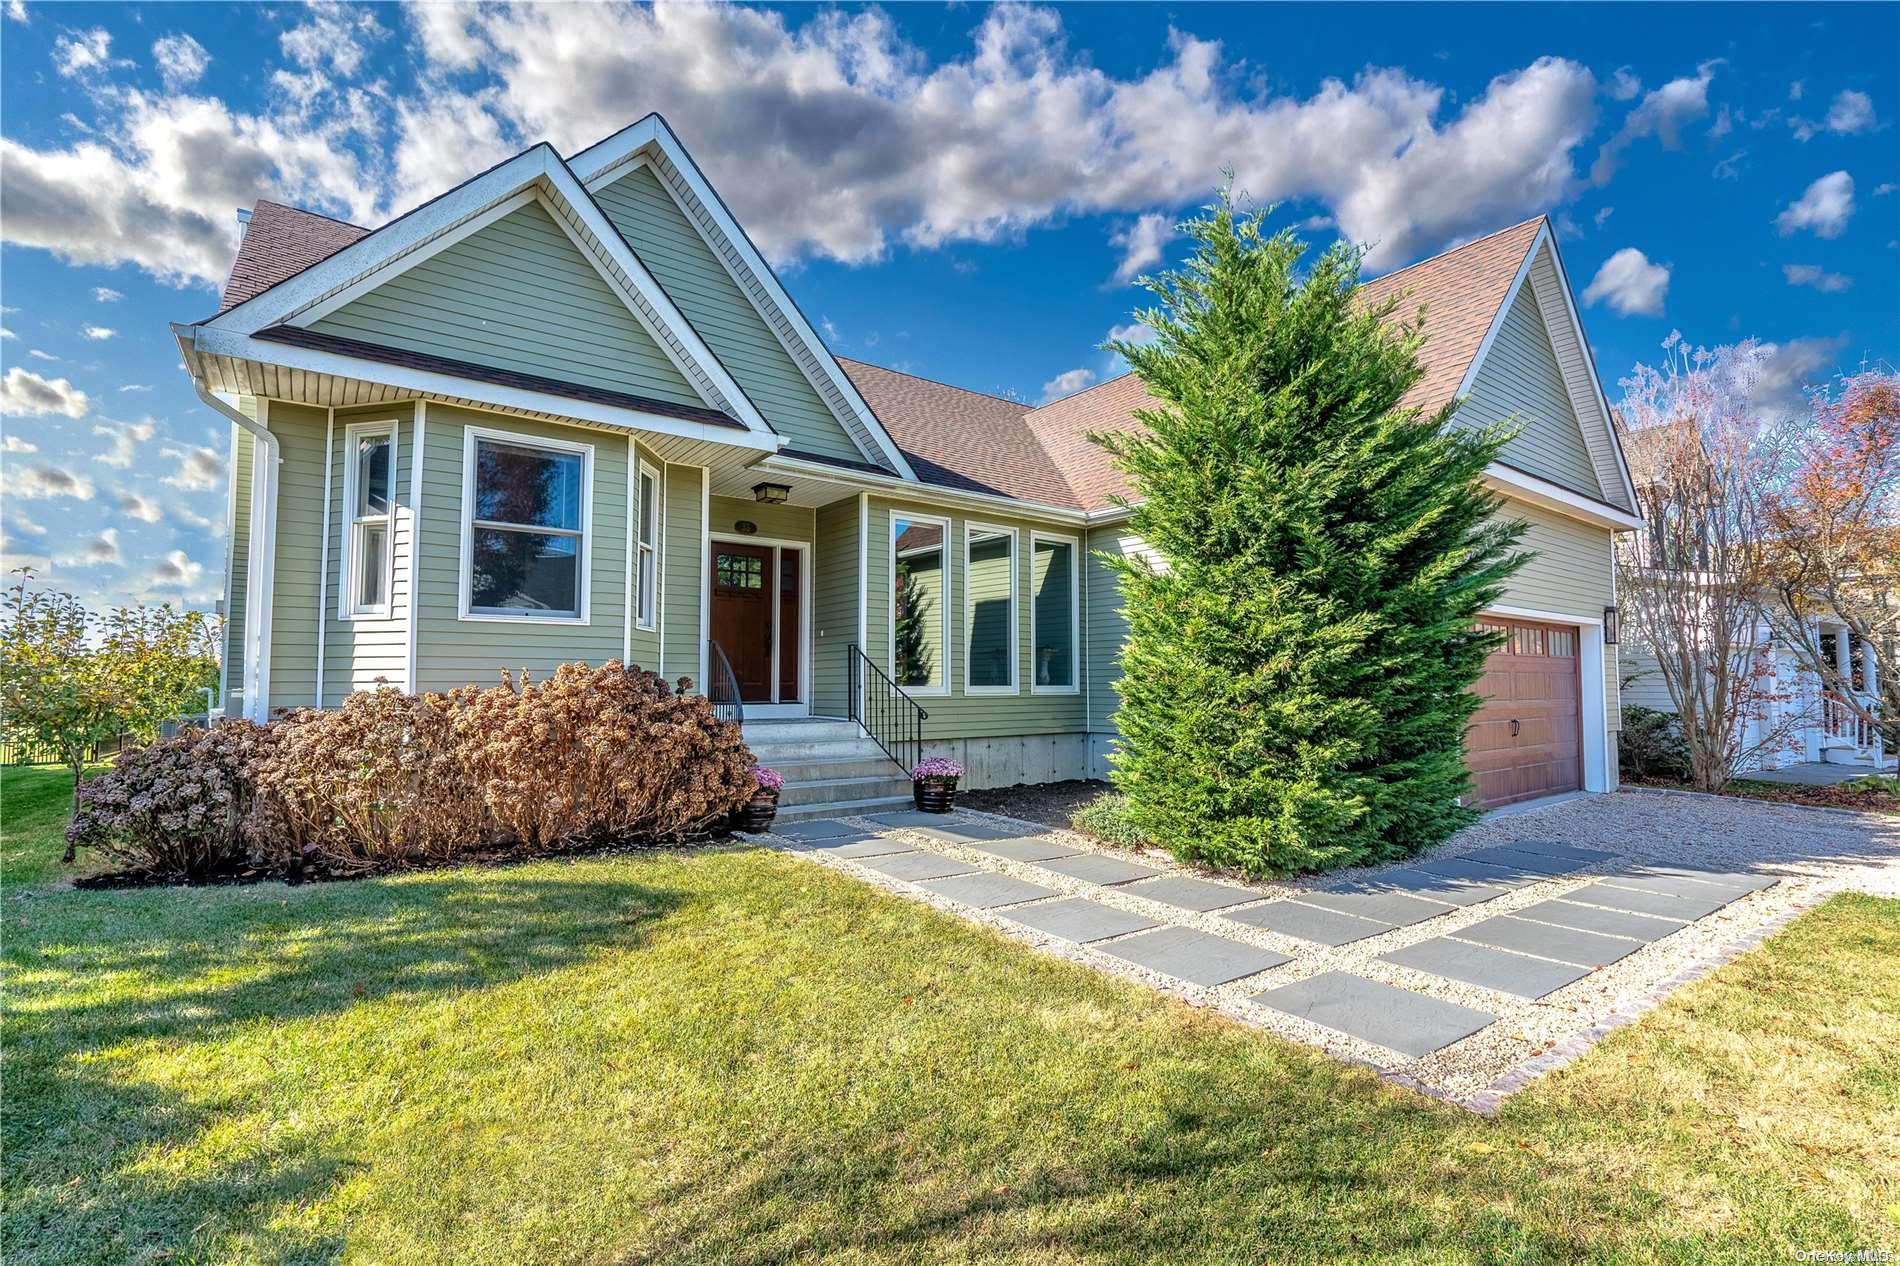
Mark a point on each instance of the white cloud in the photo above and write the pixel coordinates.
(14, 444)
(98, 333)
(1623, 85)
(136, 386)
(38, 480)
(95, 551)
(140, 507)
(37, 354)
(199, 468)
(1141, 244)
(105, 294)
(1066, 383)
(1134, 332)
(1882, 190)
(1789, 368)
(1851, 112)
(1662, 114)
(181, 60)
(1630, 284)
(24, 393)
(126, 439)
(25, 526)
(1797, 89)
(335, 38)
(1824, 207)
(16, 10)
(5, 333)
(81, 52)
(1816, 276)
(177, 569)
(1604, 213)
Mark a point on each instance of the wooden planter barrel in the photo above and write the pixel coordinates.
(759, 811)
(933, 796)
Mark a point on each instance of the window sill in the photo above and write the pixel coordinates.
(1055, 690)
(992, 691)
(557, 621)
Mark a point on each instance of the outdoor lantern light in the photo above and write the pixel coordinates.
(771, 494)
(1609, 626)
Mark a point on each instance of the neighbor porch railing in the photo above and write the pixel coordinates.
(893, 719)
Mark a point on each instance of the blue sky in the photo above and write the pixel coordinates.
(961, 192)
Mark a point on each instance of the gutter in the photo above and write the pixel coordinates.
(260, 583)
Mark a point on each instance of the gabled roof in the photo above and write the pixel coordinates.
(280, 242)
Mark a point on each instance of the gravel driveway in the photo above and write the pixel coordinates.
(1036, 883)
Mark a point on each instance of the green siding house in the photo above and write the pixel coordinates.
(565, 411)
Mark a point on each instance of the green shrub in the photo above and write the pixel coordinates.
(1651, 745)
(1106, 818)
(390, 779)
(1875, 784)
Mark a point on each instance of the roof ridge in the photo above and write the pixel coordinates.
(938, 382)
(1509, 228)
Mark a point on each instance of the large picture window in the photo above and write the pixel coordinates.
(1052, 608)
(525, 527)
(989, 634)
(646, 562)
(369, 483)
(920, 603)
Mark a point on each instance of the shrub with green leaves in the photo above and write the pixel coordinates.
(1296, 681)
(1106, 818)
(1651, 745)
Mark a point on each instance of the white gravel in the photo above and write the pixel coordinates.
(1812, 853)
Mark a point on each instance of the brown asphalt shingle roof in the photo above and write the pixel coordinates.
(956, 438)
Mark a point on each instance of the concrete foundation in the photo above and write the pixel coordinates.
(1006, 762)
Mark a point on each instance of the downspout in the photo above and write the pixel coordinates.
(258, 592)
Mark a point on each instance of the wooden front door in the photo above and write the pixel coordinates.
(1527, 738)
(744, 594)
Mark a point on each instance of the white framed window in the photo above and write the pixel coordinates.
(527, 506)
(1055, 631)
(989, 610)
(920, 603)
(646, 562)
(369, 520)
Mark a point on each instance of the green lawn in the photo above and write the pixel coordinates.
(735, 1056)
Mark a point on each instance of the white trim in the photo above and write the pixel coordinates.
(1498, 317)
(260, 593)
(632, 545)
(947, 605)
(212, 342)
(660, 569)
(1015, 686)
(323, 549)
(1590, 362)
(1075, 613)
(705, 546)
(417, 453)
(230, 554)
(864, 589)
(1556, 497)
(807, 552)
(348, 558)
(647, 471)
(898, 490)
(607, 160)
(1593, 694)
(471, 435)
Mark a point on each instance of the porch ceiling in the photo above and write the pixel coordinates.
(735, 478)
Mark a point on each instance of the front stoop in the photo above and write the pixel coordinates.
(831, 767)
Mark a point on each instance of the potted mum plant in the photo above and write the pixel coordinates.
(933, 784)
(763, 807)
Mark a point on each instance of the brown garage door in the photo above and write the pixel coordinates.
(1527, 738)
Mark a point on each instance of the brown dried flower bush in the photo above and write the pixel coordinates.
(180, 807)
(601, 753)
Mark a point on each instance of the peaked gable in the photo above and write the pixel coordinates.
(1520, 379)
(516, 295)
(659, 232)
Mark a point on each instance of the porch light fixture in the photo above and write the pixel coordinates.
(771, 494)
(1609, 626)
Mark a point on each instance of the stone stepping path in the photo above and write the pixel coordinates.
(1397, 1019)
(1196, 957)
(1525, 954)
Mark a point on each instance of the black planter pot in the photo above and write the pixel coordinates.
(933, 797)
(759, 811)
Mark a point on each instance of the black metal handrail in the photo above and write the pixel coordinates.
(893, 719)
(722, 686)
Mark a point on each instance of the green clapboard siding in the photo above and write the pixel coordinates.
(293, 622)
(685, 570)
(1520, 379)
(1105, 629)
(362, 652)
(451, 651)
(956, 714)
(517, 295)
(236, 583)
(834, 623)
(698, 282)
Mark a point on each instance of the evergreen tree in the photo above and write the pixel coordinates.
(914, 662)
(1297, 677)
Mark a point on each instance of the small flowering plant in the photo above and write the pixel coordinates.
(937, 769)
(768, 779)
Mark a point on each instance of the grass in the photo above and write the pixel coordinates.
(737, 1056)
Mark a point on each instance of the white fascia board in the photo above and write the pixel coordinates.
(605, 161)
(1596, 382)
(1497, 318)
(1542, 492)
(921, 493)
(452, 387)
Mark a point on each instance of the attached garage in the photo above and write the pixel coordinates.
(1526, 740)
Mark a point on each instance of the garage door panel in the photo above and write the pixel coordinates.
(1531, 680)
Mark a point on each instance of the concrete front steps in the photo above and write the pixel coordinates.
(831, 767)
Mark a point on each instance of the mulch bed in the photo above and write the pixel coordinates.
(1839, 796)
(1049, 803)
